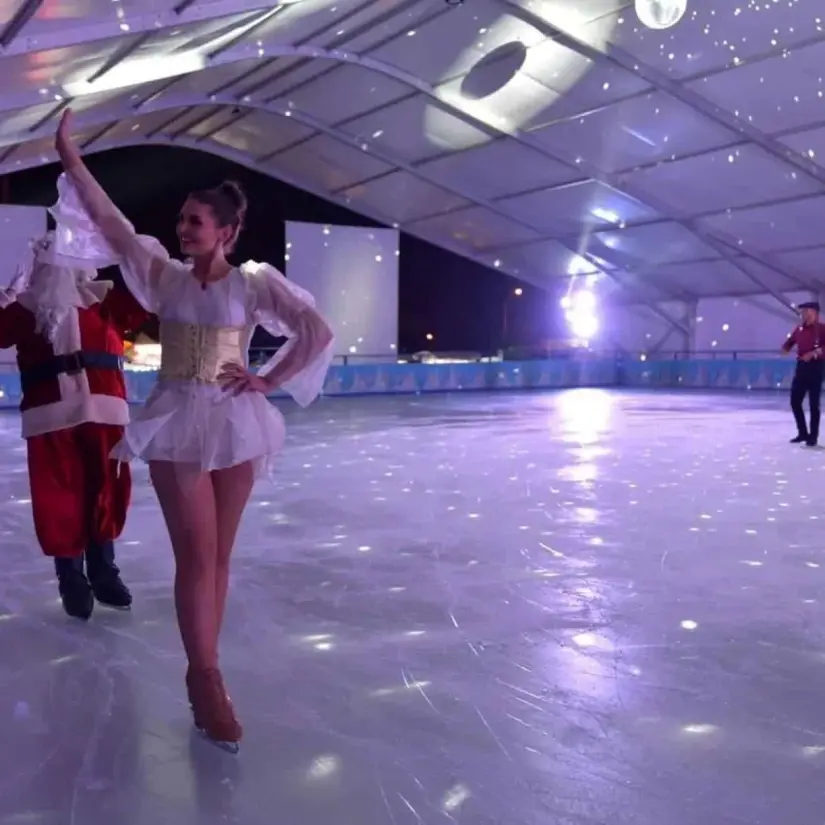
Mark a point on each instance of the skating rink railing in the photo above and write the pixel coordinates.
(584, 371)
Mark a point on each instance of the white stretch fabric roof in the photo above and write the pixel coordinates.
(549, 138)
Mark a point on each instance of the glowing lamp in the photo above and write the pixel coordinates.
(584, 301)
(580, 314)
(660, 14)
(583, 326)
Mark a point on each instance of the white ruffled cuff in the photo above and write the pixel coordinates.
(283, 308)
(77, 235)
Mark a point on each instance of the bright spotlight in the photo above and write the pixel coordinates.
(584, 301)
(660, 14)
(583, 326)
(580, 314)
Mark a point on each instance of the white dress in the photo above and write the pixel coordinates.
(198, 424)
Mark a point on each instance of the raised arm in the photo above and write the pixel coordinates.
(282, 308)
(790, 341)
(99, 207)
(84, 209)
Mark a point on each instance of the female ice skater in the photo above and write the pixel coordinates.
(207, 427)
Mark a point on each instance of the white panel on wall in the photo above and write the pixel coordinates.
(18, 226)
(638, 328)
(353, 274)
(753, 326)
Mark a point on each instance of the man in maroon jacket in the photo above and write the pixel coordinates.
(809, 340)
(68, 329)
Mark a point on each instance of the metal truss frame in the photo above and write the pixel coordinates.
(238, 49)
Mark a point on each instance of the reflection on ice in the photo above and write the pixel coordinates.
(323, 766)
(699, 729)
(584, 414)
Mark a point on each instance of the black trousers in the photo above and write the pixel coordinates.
(807, 381)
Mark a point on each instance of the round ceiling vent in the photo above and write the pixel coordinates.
(494, 71)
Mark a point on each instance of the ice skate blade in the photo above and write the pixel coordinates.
(228, 747)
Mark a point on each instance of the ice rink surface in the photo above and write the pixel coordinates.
(571, 608)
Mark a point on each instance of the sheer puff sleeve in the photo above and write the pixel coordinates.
(107, 238)
(284, 309)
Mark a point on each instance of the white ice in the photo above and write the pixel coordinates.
(535, 609)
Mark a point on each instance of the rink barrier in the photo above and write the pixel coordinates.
(708, 373)
(406, 379)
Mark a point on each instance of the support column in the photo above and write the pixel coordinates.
(691, 312)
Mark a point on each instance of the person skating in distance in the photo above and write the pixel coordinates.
(809, 340)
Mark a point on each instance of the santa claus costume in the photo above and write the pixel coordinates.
(68, 330)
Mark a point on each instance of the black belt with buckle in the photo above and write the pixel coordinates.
(72, 363)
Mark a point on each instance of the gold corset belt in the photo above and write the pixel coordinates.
(190, 352)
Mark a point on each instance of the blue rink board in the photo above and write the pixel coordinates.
(716, 374)
(367, 379)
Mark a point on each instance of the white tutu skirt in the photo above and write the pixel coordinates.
(203, 427)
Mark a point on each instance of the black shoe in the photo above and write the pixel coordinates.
(75, 590)
(811, 442)
(799, 439)
(104, 576)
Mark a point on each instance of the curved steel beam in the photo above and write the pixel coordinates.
(445, 243)
(337, 55)
(250, 163)
(589, 171)
(191, 12)
(18, 21)
(212, 102)
(110, 27)
(414, 170)
(617, 56)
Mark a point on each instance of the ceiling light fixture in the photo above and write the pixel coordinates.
(660, 14)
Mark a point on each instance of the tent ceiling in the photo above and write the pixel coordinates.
(548, 138)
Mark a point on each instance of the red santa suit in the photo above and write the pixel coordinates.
(68, 330)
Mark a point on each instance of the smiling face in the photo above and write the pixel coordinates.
(199, 232)
(809, 316)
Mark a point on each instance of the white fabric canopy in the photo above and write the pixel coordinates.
(548, 138)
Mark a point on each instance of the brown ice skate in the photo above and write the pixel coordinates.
(212, 709)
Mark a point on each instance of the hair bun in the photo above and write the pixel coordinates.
(233, 192)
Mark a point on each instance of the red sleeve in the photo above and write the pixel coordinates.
(15, 323)
(123, 310)
(790, 341)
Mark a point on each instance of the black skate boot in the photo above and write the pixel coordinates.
(75, 591)
(104, 576)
